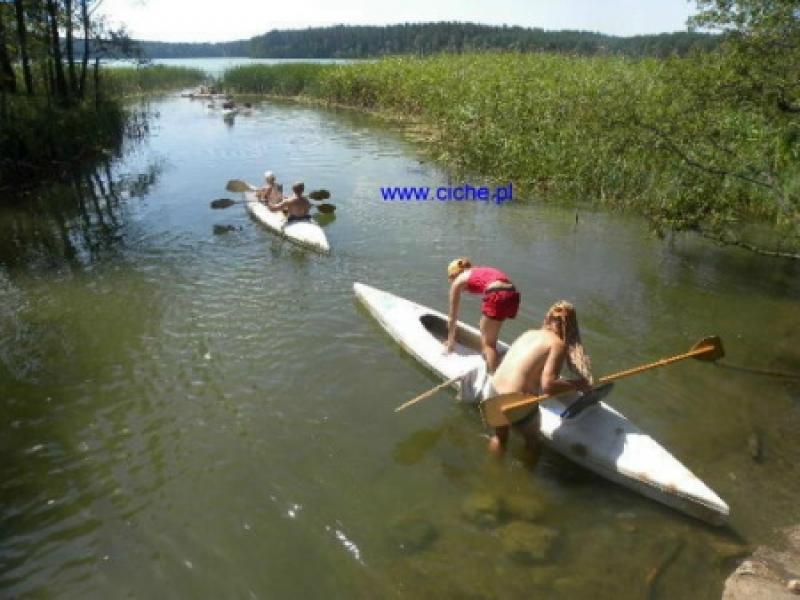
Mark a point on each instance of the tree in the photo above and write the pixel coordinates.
(762, 39)
(22, 41)
(731, 117)
(8, 81)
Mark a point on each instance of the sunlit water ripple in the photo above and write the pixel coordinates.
(194, 414)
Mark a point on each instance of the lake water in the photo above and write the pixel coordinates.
(193, 408)
(215, 67)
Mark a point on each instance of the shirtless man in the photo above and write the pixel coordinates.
(271, 192)
(533, 364)
(296, 206)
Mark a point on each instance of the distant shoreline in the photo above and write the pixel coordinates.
(361, 41)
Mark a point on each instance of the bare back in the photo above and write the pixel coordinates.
(533, 359)
(270, 194)
(297, 206)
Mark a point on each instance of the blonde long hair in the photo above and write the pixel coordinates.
(563, 321)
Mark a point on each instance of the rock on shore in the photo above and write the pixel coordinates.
(769, 574)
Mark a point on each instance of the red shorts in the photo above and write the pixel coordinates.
(500, 304)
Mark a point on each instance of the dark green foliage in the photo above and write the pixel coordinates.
(44, 140)
(353, 41)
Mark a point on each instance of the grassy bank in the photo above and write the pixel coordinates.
(628, 134)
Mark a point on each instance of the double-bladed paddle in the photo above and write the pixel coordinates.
(226, 202)
(237, 185)
(506, 409)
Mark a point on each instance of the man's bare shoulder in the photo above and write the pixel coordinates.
(537, 336)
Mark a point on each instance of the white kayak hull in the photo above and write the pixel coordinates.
(303, 233)
(599, 438)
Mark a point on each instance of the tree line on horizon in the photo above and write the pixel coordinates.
(360, 41)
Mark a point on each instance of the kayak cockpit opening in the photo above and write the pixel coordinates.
(437, 327)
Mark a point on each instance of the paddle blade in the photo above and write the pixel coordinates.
(319, 195)
(222, 203)
(237, 185)
(493, 409)
(708, 349)
(326, 208)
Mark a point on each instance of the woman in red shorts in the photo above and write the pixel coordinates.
(500, 302)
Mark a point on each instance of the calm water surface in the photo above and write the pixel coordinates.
(192, 408)
(217, 66)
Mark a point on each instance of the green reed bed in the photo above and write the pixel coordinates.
(150, 78)
(639, 134)
(289, 79)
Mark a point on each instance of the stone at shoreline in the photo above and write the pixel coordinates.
(769, 573)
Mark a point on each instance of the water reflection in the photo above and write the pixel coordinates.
(72, 224)
(73, 317)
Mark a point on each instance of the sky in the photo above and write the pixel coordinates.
(202, 21)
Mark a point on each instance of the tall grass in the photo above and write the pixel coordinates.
(288, 79)
(151, 78)
(547, 122)
(625, 133)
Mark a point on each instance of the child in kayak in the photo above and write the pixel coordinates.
(296, 206)
(533, 364)
(271, 193)
(500, 302)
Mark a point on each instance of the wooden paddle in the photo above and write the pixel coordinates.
(319, 195)
(237, 185)
(226, 202)
(428, 394)
(505, 409)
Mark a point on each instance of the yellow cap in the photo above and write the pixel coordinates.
(457, 266)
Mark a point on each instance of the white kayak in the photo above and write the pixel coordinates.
(304, 233)
(599, 438)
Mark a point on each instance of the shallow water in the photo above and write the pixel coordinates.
(192, 414)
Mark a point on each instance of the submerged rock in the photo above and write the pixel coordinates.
(522, 507)
(527, 543)
(483, 509)
(412, 533)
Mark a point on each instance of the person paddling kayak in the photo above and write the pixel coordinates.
(500, 302)
(271, 192)
(532, 365)
(295, 206)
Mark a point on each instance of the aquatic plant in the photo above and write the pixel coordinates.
(653, 136)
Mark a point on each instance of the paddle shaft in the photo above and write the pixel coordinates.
(428, 394)
(622, 374)
(223, 203)
(237, 185)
